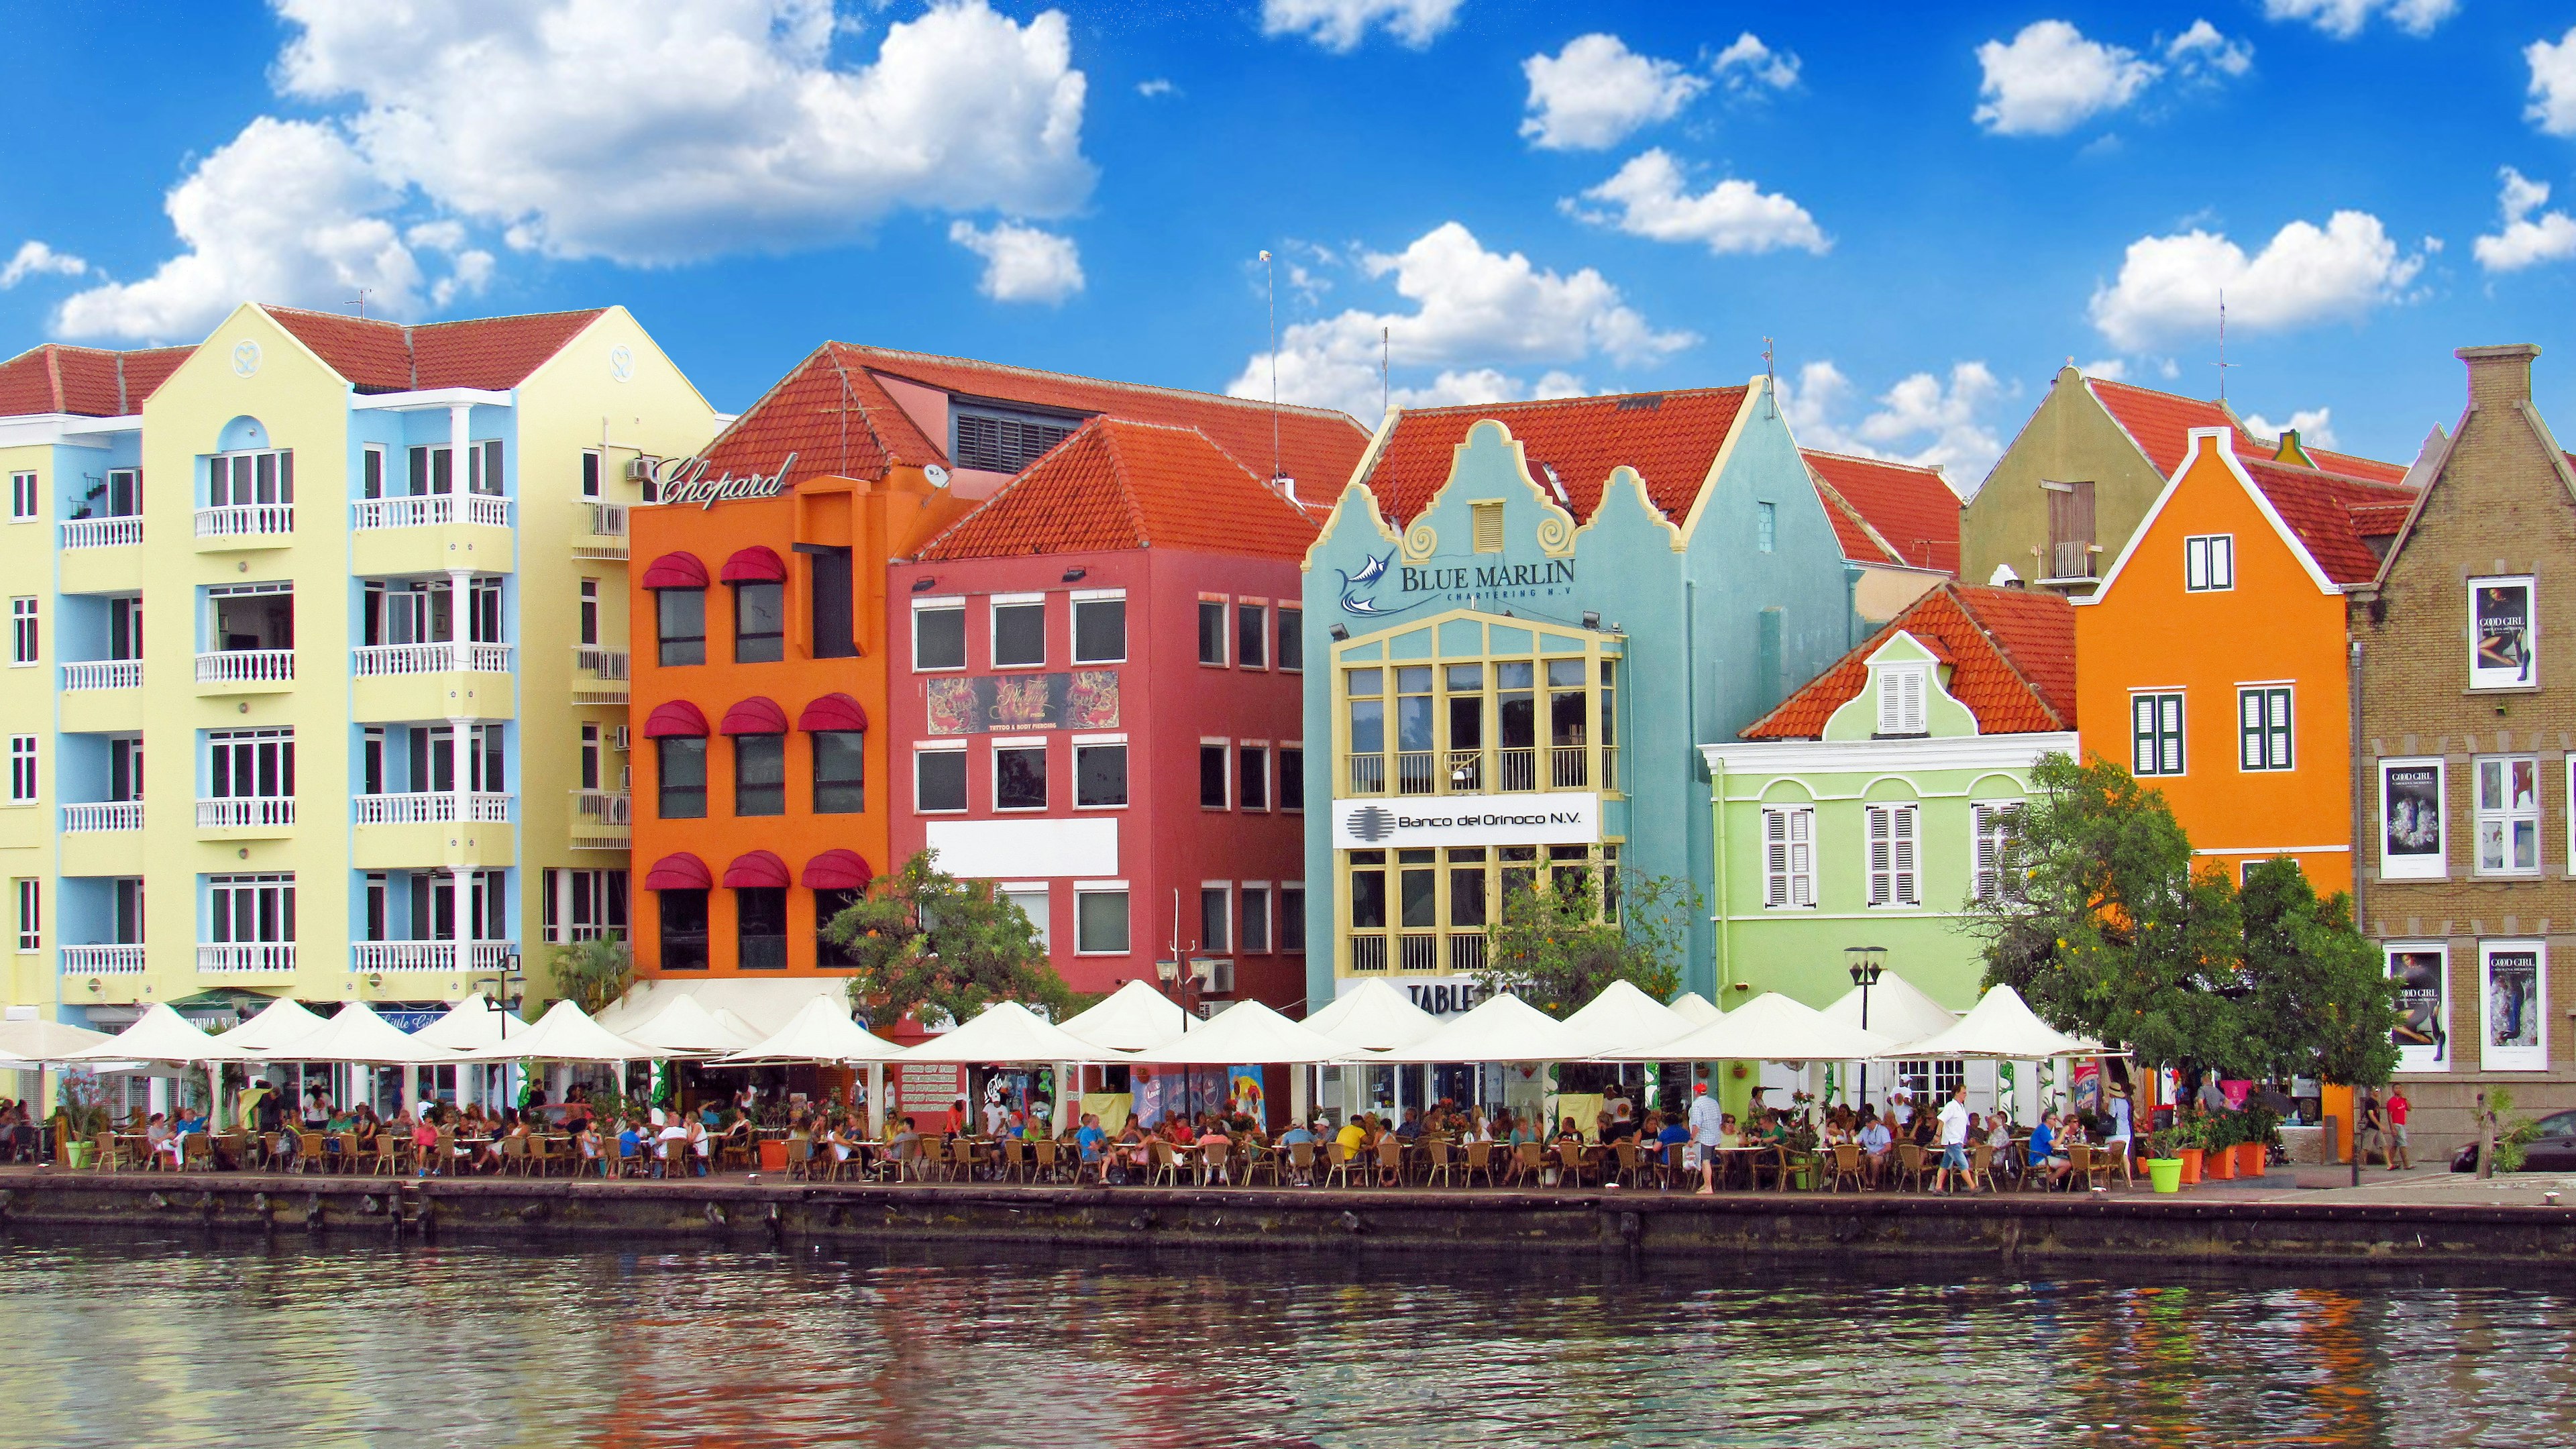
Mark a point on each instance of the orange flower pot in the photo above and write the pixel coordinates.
(2251, 1159)
(2190, 1165)
(2218, 1164)
(773, 1157)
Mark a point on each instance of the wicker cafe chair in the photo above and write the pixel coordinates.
(1631, 1165)
(1572, 1164)
(1301, 1163)
(1480, 1158)
(1259, 1162)
(931, 1154)
(1167, 1166)
(1911, 1167)
(1845, 1168)
(1981, 1166)
(1442, 1167)
(1390, 1158)
(1338, 1161)
(1529, 1160)
(1047, 1161)
(2114, 1159)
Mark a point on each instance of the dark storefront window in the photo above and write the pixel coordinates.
(684, 930)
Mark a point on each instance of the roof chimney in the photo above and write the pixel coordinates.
(2499, 376)
(1287, 487)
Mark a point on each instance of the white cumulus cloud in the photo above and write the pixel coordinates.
(2344, 19)
(2553, 84)
(1596, 91)
(2315, 426)
(1654, 200)
(1923, 419)
(2050, 79)
(1340, 25)
(2169, 285)
(1474, 311)
(2202, 53)
(1021, 263)
(35, 259)
(2525, 239)
(1747, 65)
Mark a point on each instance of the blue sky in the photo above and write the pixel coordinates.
(1929, 208)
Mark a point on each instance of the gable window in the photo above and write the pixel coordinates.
(1766, 526)
(1212, 632)
(2209, 563)
(1788, 858)
(2263, 727)
(939, 634)
(999, 442)
(681, 617)
(1099, 628)
(2155, 734)
(2503, 633)
(1895, 854)
(1901, 709)
(2070, 530)
(1998, 828)
(1489, 525)
(1019, 630)
(2508, 815)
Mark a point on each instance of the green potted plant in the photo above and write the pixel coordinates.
(2220, 1132)
(2164, 1160)
(2259, 1126)
(2190, 1137)
(81, 1117)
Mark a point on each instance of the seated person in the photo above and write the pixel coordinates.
(1216, 1149)
(1674, 1139)
(1877, 1144)
(2046, 1151)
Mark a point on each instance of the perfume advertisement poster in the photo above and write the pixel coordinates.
(2500, 633)
(2422, 1034)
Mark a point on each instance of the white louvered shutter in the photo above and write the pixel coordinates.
(1905, 850)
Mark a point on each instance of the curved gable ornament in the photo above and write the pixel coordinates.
(1556, 526)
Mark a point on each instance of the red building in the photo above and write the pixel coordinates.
(1098, 706)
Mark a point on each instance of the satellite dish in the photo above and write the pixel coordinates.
(937, 475)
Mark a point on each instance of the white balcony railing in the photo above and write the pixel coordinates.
(430, 511)
(245, 812)
(244, 520)
(602, 663)
(247, 666)
(103, 674)
(103, 960)
(608, 520)
(241, 956)
(102, 532)
(94, 816)
(482, 956)
(604, 807)
(379, 660)
(433, 808)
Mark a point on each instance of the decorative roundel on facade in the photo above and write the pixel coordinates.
(621, 363)
(245, 357)
(1372, 822)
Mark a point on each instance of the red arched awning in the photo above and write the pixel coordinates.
(679, 570)
(675, 717)
(755, 869)
(758, 564)
(838, 870)
(758, 715)
(678, 871)
(833, 712)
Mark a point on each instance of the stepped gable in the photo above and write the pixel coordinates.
(1670, 438)
(2011, 653)
(1910, 512)
(1119, 484)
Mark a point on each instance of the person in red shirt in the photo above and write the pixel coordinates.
(2399, 1154)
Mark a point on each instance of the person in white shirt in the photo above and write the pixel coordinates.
(1900, 1105)
(1954, 1139)
(1707, 1125)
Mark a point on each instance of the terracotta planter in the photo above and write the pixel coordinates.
(2218, 1164)
(2190, 1165)
(2250, 1159)
(773, 1157)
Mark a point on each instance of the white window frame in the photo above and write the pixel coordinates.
(258, 883)
(22, 770)
(1904, 700)
(2209, 563)
(1015, 890)
(1243, 945)
(26, 502)
(1789, 857)
(2503, 678)
(2438, 1056)
(1081, 597)
(1117, 888)
(935, 747)
(1893, 854)
(993, 608)
(1278, 773)
(589, 617)
(993, 769)
(1226, 748)
(1279, 914)
(26, 633)
(373, 454)
(2506, 816)
(2493, 1058)
(933, 605)
(1992, 825)
(31, 915)
(1261, 633)
(2266, 728)
(1224, 893)
(1116, 742)
(1269, 785)
(2417, 866)
(2179, 752)
(1224, 632)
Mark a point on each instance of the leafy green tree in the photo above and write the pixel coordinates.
(2319, 998)
(593, 973)
(1558, 948)
(930, 944)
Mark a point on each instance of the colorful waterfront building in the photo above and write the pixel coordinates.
(1523, 619)
(780, 683)
(384, 671)
(1899, 526)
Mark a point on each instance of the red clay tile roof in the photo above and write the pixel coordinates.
(2011, 652)
(2319, 508)
(1670, 438)
(1118, 484)
(835, 413)
(2380, 520)
(87, 381)
(2160, 423)
(493, 353)
(2352, 466)
(1911, 509)
(1861, 543)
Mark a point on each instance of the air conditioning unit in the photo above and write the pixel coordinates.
(639, 469)
(621, 737)
(1216, 978)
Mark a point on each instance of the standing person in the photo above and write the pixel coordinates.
(2400, 1153)
(2369, 1131)
(1954, 1139)
(1707, 1126)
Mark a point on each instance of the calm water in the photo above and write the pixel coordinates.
(183, 1343)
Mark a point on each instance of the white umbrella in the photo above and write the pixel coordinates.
(2001, 1026)
(361, 1038)
(1247, 1032)
(1501, 1028)
(1373, 1015)
(682, 1028)
(1769, 1028)
(473, 1022)
(1624, 1018)
(1897, 1008)
(160, 1035)
(1007, 1032)
(1696, 1009)
(820, 1031)
(12, 1059)
(563, 1034)
(280, 1024)
(1133, 1016)
(47, 1041)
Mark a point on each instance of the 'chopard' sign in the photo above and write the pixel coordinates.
(685, 480)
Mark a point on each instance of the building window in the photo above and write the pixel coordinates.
(828, 905)
(433, 470)
(24, 638)
(1212, 631)
(840, 772)
(1099, 776)
(244, 909)
(1252, 635)
(22, 497)
(939, 635)
(681, 616)
(1368, 899)
(2155, 734)
(1788, 858)
(2503, 633)
(2263, 727)
(1252, 777)
(31, 900)
(939, 780)
(1292, 639)
(590, 468)
(1894, 855)
(759, 623)
(683, 777)
(2410, 818)
(998, 442)
(1901, 708)
(22, 769)
(1032, 901)
(1488, 521)
(2513, 1006)
(1019, 631)
(760, 928)
(260, 764)
(1212, 776)
(1253, 934)
(760, 774)
(1214, 934)
(1766, 526)
(1100, 921)
(1019, 777)
(684, 930)
(238, 480)
(2070, 529)
(2508, 817)
(590, 611)
(1292, 917)
(579, 905)
(1099, 628)
(371, 484)
(2209, 563)
(830, 612)
(1292, 777)
(1997, 827)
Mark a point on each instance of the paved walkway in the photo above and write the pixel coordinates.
(2420, 1185)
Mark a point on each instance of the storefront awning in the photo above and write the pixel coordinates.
(838, 870)
(676, 570)
(756, 870)
(757, 564)
(758, 715)
(675, 717)
(833, 712)
(678, 871)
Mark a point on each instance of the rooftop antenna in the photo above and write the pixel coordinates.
(361, 302)
(2223, 363)
(1770, 382)
(1270, 277)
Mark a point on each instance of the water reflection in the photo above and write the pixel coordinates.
(187, 1342)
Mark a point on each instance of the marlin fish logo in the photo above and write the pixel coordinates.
(1353, 599)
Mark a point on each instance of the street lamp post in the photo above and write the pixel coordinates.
(502, 981)
(1866, 963)
(1181, 982)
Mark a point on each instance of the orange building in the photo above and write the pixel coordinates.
(2213, 658)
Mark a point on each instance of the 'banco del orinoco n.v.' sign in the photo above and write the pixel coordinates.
(1407, 822)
